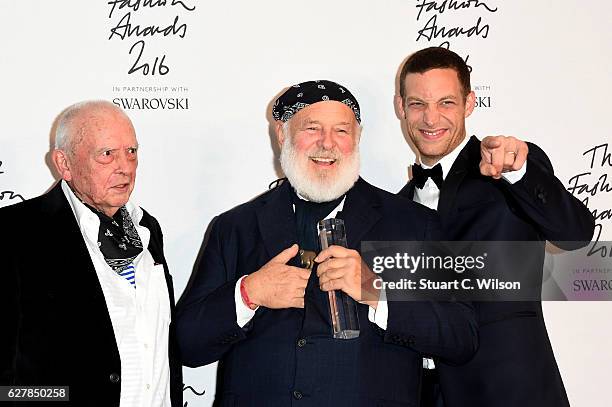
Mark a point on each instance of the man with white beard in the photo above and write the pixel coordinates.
(253, 308)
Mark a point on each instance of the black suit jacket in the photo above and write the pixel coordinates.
(288, 356)
(514, 365)
(56, 329)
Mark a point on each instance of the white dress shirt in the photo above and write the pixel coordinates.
(140, 316)
(244, 314)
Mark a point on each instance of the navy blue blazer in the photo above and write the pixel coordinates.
(514, 365)
(56, 329)
(287, 356)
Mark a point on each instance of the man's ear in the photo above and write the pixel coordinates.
(280, 135)
(470, 103)
(399, 107)
(60, 160)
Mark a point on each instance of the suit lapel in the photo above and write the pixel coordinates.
(157, 252)
(408, 190)
(457, 173)
(62, 219)
(87, 286)
(155, 243)
(361, 212)
(276, 220)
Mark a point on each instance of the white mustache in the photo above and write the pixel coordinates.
(328, 154)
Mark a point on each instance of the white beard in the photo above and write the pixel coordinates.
(322, 187)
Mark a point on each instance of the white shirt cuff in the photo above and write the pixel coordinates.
(243, 313)
(380, 315)
(515, 176)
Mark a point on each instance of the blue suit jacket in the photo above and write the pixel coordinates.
(514, 365)
(288, 356)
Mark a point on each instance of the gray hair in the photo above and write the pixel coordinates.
(286, 131)
(65, 130)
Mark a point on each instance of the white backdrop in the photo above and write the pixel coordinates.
(542, 70)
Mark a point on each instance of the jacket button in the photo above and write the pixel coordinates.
(301, 343)
(114, 378)
(297, 395)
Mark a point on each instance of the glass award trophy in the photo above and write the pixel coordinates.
(343, 309)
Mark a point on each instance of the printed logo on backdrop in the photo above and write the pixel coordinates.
(586, 274)
(441, 22)
(593, 187)
(138, 25)
(7, 195)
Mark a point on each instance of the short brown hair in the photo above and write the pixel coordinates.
(436, 58)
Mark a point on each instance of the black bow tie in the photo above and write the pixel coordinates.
(420, 175)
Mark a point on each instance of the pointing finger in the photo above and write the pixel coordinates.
(491, 142)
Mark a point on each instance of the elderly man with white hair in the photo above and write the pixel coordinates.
(86, 297)
(266, 319)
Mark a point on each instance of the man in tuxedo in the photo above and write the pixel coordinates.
(252, 307)
(86, 297)
(497, 189)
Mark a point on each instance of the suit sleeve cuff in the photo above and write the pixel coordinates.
(243, 313)
(515, 176)
(380, 315)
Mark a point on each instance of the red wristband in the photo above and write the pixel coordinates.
(245, 296)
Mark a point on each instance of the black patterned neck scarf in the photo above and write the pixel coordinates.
(307, 216)
(316, 302)
(118, 241)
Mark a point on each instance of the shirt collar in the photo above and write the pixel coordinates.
(333, 213)
(447, 161)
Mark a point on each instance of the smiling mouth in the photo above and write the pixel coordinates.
(326, 162)
(432, 134)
